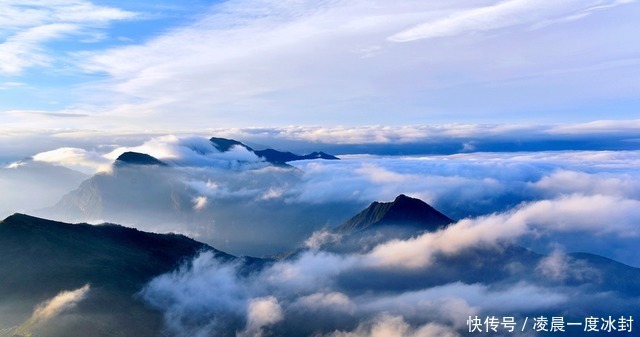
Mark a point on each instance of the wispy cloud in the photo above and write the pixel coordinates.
(50, 309)
(568, 214)
(502, 15)
(387, 325)
(313, 62)
(61, 302)
(24, 49)
(87, 161)
(28, 25)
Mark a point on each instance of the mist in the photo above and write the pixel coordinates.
(239, 203)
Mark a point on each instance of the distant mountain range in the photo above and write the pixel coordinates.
(158, 196)
(273, 156)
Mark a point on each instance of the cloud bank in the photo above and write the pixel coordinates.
(203, 186)
(604, 215)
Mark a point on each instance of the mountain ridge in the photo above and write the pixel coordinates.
(271, 155)
(42, 258)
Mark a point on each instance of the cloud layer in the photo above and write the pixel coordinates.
(205, 188)
(255, 62)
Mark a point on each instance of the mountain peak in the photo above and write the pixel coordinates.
(137, 158)
(404, 198)
(322, 155)
(224, 144)
(403, 211)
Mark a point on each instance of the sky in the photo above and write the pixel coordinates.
(190, 65)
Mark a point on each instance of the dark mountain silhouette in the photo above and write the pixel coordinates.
(136, 158)
(41, 258)
(224, 144)
(401, 218)
(273, 156)
(404, 211)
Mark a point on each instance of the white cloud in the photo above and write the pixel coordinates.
(24, 49)
(395, 326)
(31, 13)
(187, 151)
(261, 312)
(501, 15)
(197, 298)
(595, 214)
(200, 202)
(16, 164)
(570, 182)
(47, 311)
(83, 160)
(194, 152)
(61, 302)
(309, 272)
(272, 193)
(334, 301)
(457, 300)
(250, 62)
(560, 266)
(379, 134)
(320, 238)
(598, 127)
(30, 24)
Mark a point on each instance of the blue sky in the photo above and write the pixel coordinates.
(189, 65)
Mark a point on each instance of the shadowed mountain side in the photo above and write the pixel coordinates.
(143, 190)
(41, 258)
(404, 211)
(34, 185)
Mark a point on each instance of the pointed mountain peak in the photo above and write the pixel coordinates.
(224, 144)
(136, 158)
(322, 155)
(404, 198)
(404, 211)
